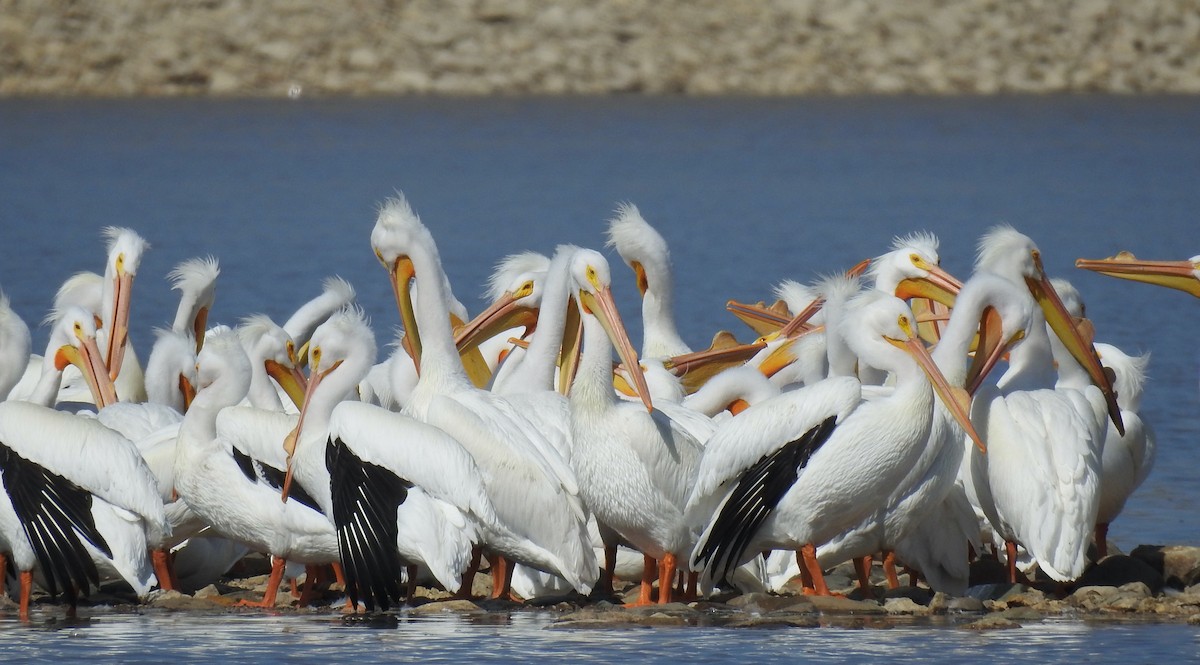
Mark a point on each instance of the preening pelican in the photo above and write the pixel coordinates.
(196, 281)
(230, 462)
(335, 294)
(398, 491)
(794, 471)
(645, 252)
(1128, 458)
(534, 491)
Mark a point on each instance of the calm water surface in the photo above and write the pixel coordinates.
(747, 192)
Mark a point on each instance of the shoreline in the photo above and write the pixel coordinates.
(280, 48)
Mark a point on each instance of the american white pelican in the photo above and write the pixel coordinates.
(62, 508)
(15, 344)
(645, 252)
(534, 491)
(1039, 482)
(335, 294)
(273, 355)
(230, 462)
(1181, 275)
(794, 471)
(196, 281)
(398, 491)
(1127, 459)
(920, 521)
(635, 470)
(125, 249)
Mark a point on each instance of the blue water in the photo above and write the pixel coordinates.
(747, 192)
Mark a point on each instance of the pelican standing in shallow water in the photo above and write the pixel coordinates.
(635, 469)
(794, 471)
(75, 492)
(542, 517)
(398, 491)
(1039, 483)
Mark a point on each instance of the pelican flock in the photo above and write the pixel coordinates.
(897, 412)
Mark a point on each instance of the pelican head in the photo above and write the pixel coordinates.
(125, 249)
(397, 231)
(515, 306)
(640, 246)
(196, 281)
(875, 315)
(592, 281)
(1013, 255)
(171, 369)
(346, 341)
(268, 343)
(914, 256)
(75, 338)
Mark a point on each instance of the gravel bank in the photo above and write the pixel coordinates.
(273, 48)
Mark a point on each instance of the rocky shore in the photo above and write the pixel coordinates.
(274, 48)
(1152, 584)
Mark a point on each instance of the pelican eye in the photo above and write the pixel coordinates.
(526, 289)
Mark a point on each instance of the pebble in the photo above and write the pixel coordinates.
(698, 47)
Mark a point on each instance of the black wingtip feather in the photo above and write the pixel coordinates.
(753, 498)
(365, 499)
(54, 513)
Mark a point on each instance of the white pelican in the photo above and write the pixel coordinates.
(196, 281)
(635, 469)
(926, 527)
(645, 252)
(1127, 459)
(335, 294)
(273, 355)
(396, 490)
(794, 471)
(229, 467)
(1039, 483)
(534, 491)
(125, 249)
(62, 509)
(1181, 275)
(15, 344)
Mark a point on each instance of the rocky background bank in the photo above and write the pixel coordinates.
(273, 48)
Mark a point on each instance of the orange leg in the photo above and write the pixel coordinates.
(164, 570)
(26, 589)
(648, 573)
(862, 566)
(806, 579)
(1101, 541)
(889, 569)
(411, 591)
(311, 573)
(268, 600)
(605, 585)
(666, 573)
(809, 560)
(1010, 549)
(468, 578)
(499, 566)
